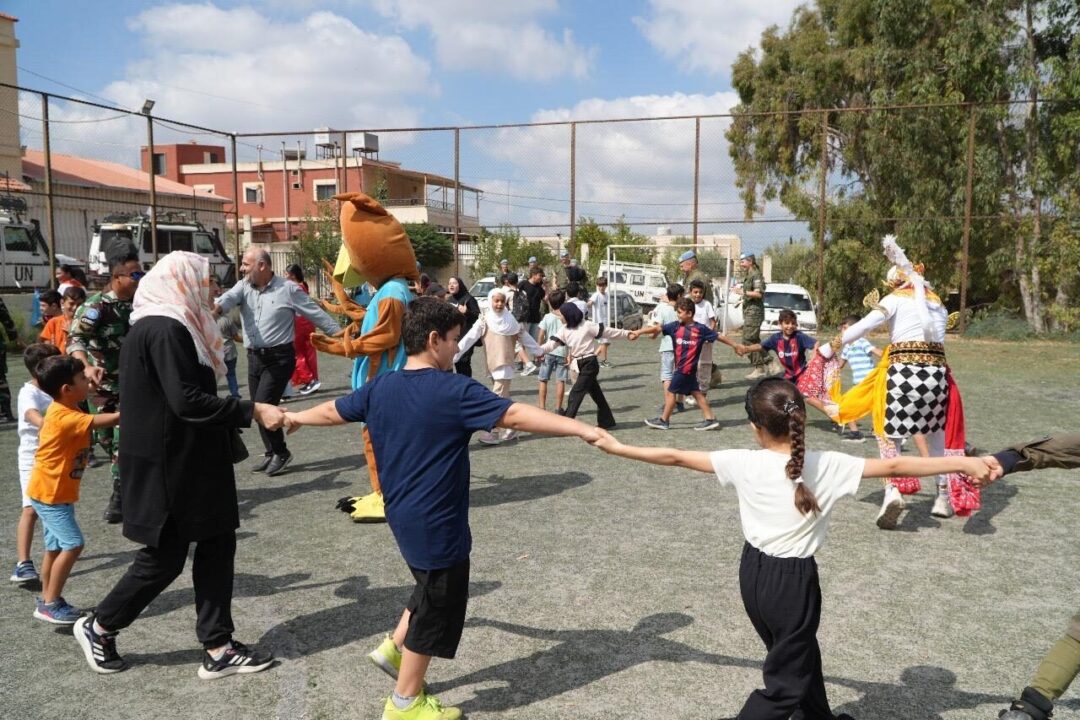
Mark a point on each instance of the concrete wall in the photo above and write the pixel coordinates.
(10, 155)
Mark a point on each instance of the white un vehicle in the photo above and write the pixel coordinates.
(645, 283)
(174, 232)
(24, 255)
(778, 296)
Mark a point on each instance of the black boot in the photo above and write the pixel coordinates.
(1032, 705)
(5, 410)
(113, 511)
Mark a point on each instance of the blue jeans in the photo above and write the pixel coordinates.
(230, 377)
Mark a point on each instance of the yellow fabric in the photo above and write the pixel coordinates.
(866, 398)
(344, 272)
(63, 449)
(909, 291)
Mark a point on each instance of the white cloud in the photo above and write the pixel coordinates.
(708, 35)
(641, 170)
(497, 37)
(238, 69)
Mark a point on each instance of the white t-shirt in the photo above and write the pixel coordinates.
(770, 520)
(599, 307)
(704, 313)
(31, 397)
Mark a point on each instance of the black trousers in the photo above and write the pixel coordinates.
(154, 569)
(783, 599)
(269, 372)
(464, 365)
(588, 382)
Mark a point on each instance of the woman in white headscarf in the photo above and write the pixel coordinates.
(176, 468)
(499, 331)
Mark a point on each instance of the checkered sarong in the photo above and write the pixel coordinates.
(916, 399)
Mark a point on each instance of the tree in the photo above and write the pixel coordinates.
(588, 232)
(433, 249)
(319, 238)
(506, 243)
(904, 170)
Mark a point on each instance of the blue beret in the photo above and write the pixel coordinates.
(688, 255)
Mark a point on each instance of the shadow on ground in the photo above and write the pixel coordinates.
(369, 611)
(582, 657)
(499, 489)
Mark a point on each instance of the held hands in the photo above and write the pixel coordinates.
(94, 374)
(634, 335)
(740, 350)
(604, 440)
(269, 416)
(291, 423)
(993, 467)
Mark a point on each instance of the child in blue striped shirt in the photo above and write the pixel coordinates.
(861, 356)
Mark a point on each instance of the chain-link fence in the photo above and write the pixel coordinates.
(984, 194)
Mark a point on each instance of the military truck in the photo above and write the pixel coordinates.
(174, 232)
(24, 254)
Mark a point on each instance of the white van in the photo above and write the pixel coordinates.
(24, 256)
(174, 232)
(644, 282)
(778, 296)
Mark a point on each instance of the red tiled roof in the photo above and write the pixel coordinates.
(13, 185)
(87, 172)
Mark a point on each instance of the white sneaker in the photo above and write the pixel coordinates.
(529, 369)
(891, 507)
(757, 372)
(488, 438)
(942, 507)
(509, 435)
(690, 402)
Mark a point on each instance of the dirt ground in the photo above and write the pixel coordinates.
(601, 588)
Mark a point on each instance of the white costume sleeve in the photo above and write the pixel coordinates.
(529, 343)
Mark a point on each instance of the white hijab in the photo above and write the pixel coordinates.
(178, 287)
(500, 323)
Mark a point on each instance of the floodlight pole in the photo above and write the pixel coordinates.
(153, 186)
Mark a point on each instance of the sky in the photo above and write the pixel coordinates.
(294, 65)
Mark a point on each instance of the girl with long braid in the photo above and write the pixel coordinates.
(786, 497)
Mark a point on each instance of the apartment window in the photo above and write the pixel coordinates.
(159, 164)
(253, 193)
(325, 189)
(210, 157)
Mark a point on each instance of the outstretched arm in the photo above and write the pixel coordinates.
(923, 467)
(530, 418)
(688, 459)
(322, 415)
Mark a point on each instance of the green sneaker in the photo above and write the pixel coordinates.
(386, 657)
(424, 707)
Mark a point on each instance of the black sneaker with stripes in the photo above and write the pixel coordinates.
(99, 650)
(238, 658)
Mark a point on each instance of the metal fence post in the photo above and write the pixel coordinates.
(153, 187)
(236, 207)
(967, 218)
(457, 199)
(697, 173)
(821, 206)
(344, 187)
(50, 217)
(573, 186)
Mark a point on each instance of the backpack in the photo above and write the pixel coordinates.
(520, 305)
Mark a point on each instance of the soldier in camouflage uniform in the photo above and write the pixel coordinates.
(5, 390)
(753, 311)
(97, 331)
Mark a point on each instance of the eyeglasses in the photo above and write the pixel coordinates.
(136, 275)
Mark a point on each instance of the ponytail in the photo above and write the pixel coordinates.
(804, 497)
(777, 407)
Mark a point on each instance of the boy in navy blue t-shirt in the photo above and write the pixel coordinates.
(688, 339)
(421, 419)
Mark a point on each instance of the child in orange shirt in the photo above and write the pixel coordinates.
(63, 448)
(56, 329)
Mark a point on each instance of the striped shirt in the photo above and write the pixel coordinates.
(688, 341)
(858, 355)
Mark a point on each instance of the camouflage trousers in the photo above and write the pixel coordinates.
(751, 333)
(5, 389)
(107, 438)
